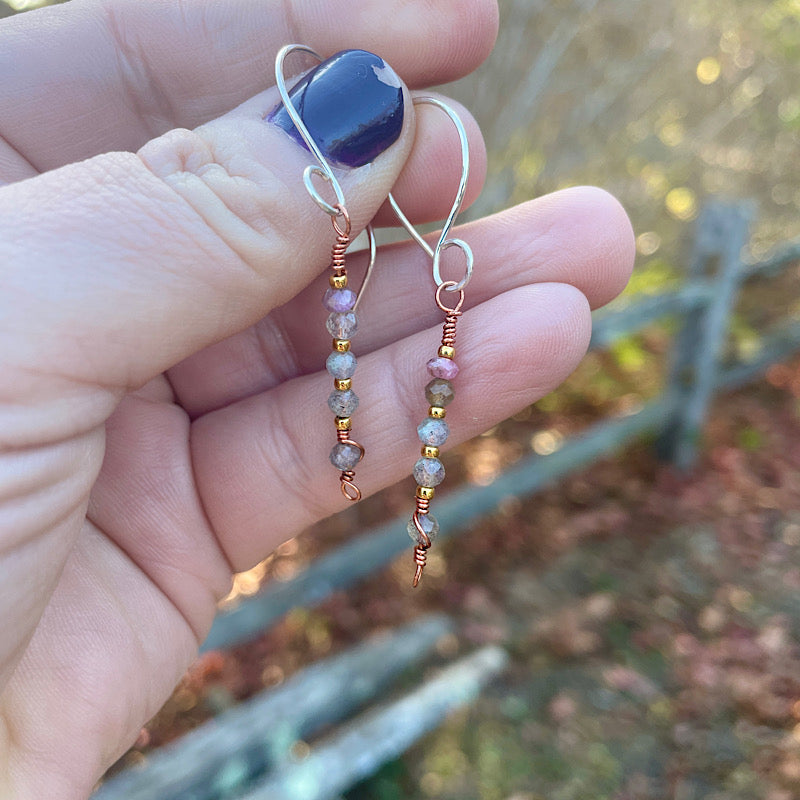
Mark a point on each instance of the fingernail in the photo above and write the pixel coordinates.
(352, 105)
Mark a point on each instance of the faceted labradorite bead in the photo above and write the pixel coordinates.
(433, 431)
(429, 525)
(439, 392)
(429, 472)
(339, 299)
(342, 324)
(341, 365)
(345, 456)
(343, 404)
(441, 367)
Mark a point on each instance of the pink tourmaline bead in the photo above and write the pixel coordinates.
(339, 299)
(443, 368)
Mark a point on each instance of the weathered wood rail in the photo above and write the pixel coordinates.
(245, 752)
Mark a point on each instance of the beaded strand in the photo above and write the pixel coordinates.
(433, 431)
(342, 324)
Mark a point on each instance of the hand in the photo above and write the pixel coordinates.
(162, 399)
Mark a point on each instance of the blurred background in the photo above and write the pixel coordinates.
(652, 617)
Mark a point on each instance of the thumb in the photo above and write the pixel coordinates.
(118, 267)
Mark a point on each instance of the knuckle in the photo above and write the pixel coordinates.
(235, 196)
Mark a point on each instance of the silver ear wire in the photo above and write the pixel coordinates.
(435, 253)
(323, 170)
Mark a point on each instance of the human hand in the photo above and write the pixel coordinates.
(162, 415)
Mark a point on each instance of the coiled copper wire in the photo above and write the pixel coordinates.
(342, 240)
(349, 489)
(347, 478)
(421, 549)
(449, 330)
(420, 559)
(337, 254)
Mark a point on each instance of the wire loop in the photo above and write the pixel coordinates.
(450, 286)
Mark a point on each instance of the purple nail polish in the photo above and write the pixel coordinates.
(352, 105)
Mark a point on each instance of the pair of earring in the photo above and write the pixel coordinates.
(342, 302)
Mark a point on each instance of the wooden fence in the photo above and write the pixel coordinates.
(245, 753)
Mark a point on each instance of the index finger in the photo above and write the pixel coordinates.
(100, 75)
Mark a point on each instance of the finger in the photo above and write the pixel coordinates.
(578, 236)
(147, 259)
(426, 188)
(128, 71)
(262, 464)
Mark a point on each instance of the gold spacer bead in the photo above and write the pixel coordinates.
(425, 492)
(445, 351)
(338, 281)
(343, 423)
(343, 384)
(429, 451)
(437, 412)
(341, 345)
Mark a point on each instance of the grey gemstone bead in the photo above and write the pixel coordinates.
(342, 324)
(343, 404)
(345, 456)
(433, 431)
(341, 365)
(429, 524)
(439, 392)
(429, 472)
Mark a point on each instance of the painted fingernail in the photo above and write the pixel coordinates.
(352, 105)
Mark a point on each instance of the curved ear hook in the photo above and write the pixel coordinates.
(324, 169)
(373, 251)
(444, 243)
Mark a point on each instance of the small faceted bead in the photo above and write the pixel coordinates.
(341, 365)
(342, 324)
(339, 299)
(343, 404)
(345, 456)
(433, 431)
(428, 523)
(429, 472)
(439, 392)
(443, 368)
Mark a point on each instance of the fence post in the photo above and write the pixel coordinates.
(721, 232)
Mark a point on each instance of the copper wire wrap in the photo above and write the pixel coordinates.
(449, 332)
(342, 240)
(420, 550)
(347, 477)
(348, 486)
(420, 560)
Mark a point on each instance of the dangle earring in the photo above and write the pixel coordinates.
(339, 300)
(433, 430)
